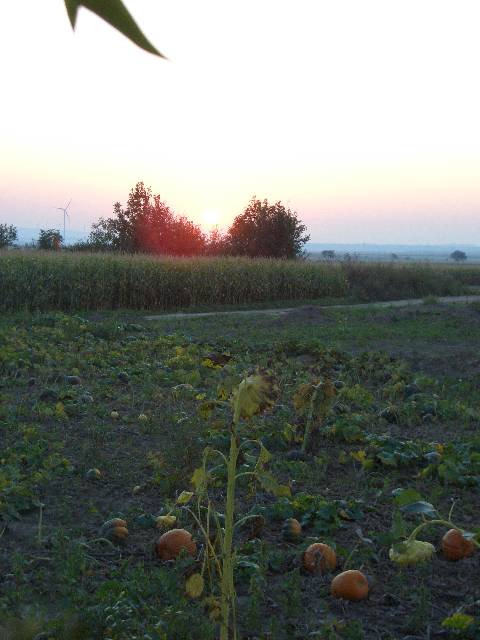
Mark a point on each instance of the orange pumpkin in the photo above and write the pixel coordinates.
(319, 558)
(115, 530)
(455, 546)
(173, 542)
(291, 530)
(350, 585)
(117, 534)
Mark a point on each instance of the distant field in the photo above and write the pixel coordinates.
(49, 281)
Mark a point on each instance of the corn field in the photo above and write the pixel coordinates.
(64, 281)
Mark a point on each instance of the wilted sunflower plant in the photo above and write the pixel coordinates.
(313, 401)
(255, 394)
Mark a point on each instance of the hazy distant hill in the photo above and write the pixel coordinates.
(392, 248)
(387, 251)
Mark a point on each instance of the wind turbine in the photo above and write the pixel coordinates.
(65, 215)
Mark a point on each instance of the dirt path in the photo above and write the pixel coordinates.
(283, 311)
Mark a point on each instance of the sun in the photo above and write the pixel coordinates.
(211, 218)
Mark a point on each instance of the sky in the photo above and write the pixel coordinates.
(361, 116)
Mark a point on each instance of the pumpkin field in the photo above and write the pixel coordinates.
(315, 475)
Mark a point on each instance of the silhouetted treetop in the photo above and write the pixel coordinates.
(267, 230)
(147, 224)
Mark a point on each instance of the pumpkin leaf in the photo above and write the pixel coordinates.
(185, 497)
(116, 14)
(399, 528)
(165, 522)
(364, 539)
(146, 521)
(458, 622)
(210, 364)
(420, 508)
(60, 412)
(206, 408)
(222, 392)
(194, 585)
(403, 497)
(359, 456)
(470, 535)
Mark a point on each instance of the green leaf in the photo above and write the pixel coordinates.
(398, 526)
(263, 458)
(199, 479)
(420, 507)
(184, 497)
(405, 496)
(116, 14)
(146, 521)
(458, 622)
(194, 585)
(269, 483)
(206, 408)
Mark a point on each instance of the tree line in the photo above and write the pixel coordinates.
(146, 224)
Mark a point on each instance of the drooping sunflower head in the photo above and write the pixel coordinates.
(255, 394)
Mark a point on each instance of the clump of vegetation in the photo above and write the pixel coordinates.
(49, 240)
(8, 235)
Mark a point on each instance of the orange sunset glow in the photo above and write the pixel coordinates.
(362, 117)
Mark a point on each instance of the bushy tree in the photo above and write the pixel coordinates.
(458, 256)
(8, 235)
(328, 254)
(147, 225)
(217, 243)
(49, 239)
(267, 230)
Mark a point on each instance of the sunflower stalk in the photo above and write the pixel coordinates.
(227, 588)
(322, 396)
(254, 394)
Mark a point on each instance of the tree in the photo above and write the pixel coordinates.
(49, 239)
(8, 235)
(458, 256)
(328, 254)
(267, 230)
(216, 243)
(148, 225)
